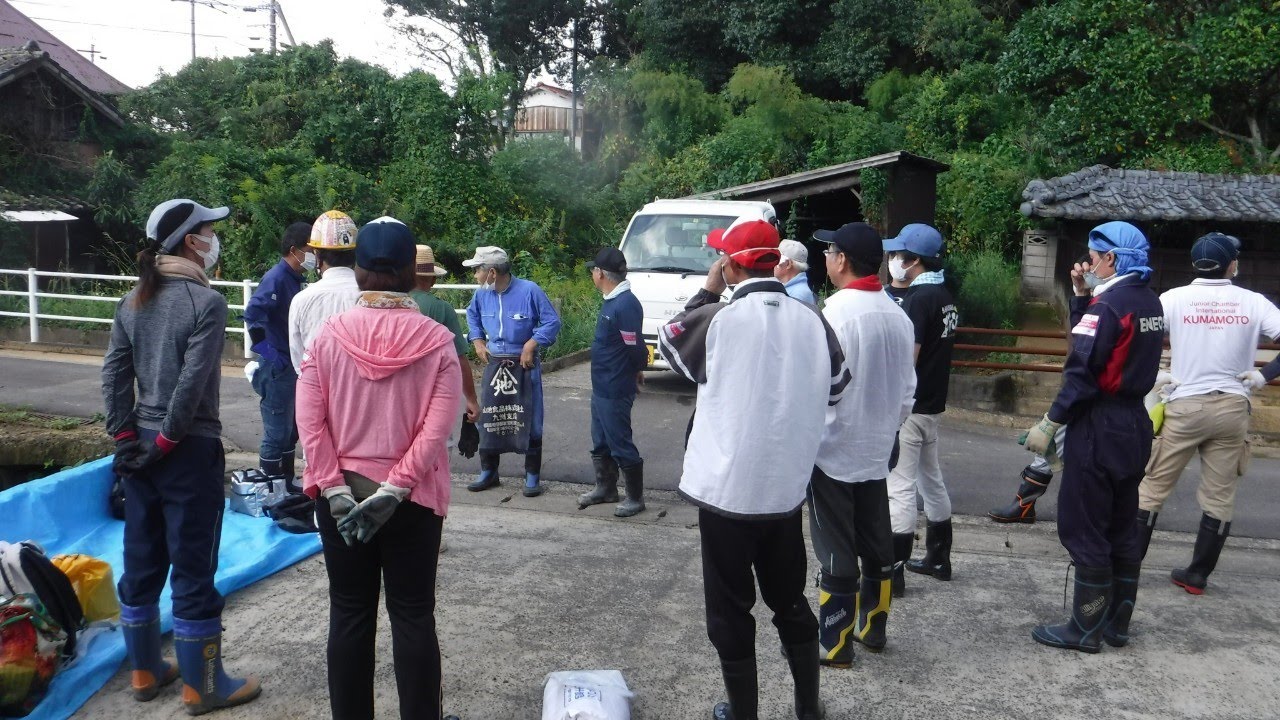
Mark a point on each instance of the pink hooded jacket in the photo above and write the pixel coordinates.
(379, 392)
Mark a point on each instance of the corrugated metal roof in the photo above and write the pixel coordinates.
(16, 30)
(1103, 193)
(821, 180)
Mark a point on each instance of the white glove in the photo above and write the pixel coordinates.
(1165, 384)
(1252, 379)
(250, 368)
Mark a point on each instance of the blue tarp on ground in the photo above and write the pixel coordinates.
(68, 513)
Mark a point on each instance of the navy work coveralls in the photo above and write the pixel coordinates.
(1116, 340)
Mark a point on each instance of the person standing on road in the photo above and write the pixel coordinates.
(167, 338)
(510, 320)
(267, 316)
(378, 395)
(618, 359)
(848, 496)
(1214, 328)
(1117, 337)
(792, 271)
(915, 256)
(333, 237)
(426, 272)
(749, 457)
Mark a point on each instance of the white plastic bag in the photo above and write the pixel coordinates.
(586, 695)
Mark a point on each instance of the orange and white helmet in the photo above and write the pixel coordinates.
(334, 230)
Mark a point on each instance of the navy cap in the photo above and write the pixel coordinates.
(918, 239)
(857, 240)
(386, 245)
(1214, 251)
(610, 259)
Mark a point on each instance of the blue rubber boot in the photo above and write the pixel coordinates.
(532, 485)
(205, 687)
(141, 628)
(1083, 630)
(488, 473)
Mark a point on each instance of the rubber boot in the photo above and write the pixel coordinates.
(803, 661)
(1146, 526)
(288, 468)
(488, 473)
(606, 490)
(141, 629)
(633, 479)
(872, 613)
(205, 687)
(1124, 593)
(740, 687)
(270, 468)
(837, 616)
(1023, 508)
(1083, 630)
(937, 555)
(533, 469)
(902, 543)
(1212, 536)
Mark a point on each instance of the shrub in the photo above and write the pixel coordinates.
(989, 287)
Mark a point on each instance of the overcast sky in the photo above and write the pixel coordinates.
(140, 38)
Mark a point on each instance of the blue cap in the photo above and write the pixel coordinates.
(917, 239)
(1214, 251)
(386, 245)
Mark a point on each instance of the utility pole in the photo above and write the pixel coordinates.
(273, 27)
(573, 90)
(193, 30)
(277, 15)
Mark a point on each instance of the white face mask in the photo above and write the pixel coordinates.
(210, 256)
(309, 261)
(896, 271)
(488, 285)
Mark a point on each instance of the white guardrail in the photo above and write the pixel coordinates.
(33, 294)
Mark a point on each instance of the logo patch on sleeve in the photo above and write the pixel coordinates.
(628, 338)
(1088, 325)
(675, 329)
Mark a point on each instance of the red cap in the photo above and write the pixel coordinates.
(750, 243)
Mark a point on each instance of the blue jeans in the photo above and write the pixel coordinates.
(276, 386)
(611, 429)
(173, 518)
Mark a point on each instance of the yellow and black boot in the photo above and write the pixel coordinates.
(872, 613)
(1023, 508)
(837, 615)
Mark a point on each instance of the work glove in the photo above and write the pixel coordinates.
(127, 450)
(1039, 439)
(374, 512)
(341, 503)
(1165, 384)
(1252, 379)
(250, 369)
(145, 455)
(468, 439)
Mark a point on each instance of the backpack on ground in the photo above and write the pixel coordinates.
(26, 570)
(30, 644)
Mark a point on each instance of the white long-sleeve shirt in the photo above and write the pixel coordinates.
(878, 341)
(336, 291)
(1214, 328)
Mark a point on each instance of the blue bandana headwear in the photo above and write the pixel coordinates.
(1128, 244)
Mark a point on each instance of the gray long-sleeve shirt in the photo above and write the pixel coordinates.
(172, 348)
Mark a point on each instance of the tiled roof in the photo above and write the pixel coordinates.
(10, 200)
(16, 62)
(1103, 193)
(16, 30)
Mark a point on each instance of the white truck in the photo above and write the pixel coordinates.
(667, 255)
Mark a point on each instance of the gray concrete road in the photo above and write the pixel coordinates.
(981, 462)
(532, 586)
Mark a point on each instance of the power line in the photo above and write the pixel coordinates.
(138, 29)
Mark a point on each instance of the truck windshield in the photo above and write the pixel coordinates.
(671, 243)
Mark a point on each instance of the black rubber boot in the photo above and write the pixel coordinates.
(1146, 526)
(1212, 536)
(1023, 508)
(288, 462)
(633, 479)
(803, 661)
(606, 490)
(488, 473)
(902, 543)
(1083, 630)
(837, 616)
(937, 552)
(1124, 593)
(873, 613)
(270, 468)
(740, 687)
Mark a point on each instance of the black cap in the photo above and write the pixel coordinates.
(610, 259)
(386, 246)
(857, 240)
(1214, 251)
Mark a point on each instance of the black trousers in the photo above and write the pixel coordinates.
(1106, 453)
(402, 556)
(774, 549)
(848, 521)
(173, 529)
